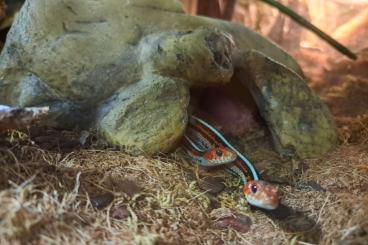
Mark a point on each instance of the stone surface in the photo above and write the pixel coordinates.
(299, 122)
(123, 66)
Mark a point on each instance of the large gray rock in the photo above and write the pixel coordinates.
(299, 123)
(121, 66)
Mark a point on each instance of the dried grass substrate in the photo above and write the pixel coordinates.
(46, 198)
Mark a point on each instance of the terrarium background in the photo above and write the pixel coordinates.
(51, 188)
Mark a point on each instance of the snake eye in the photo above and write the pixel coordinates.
(253, 188)
(219, 153)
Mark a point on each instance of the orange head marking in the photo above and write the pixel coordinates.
(220, 155)
(261, 194)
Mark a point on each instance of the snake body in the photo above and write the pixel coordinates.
(207, 147)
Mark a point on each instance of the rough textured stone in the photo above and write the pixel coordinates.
(147, 117)
(299, 122)
(121, 66)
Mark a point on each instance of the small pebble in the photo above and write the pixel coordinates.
(84, 135)
(238, 222)
(225, 218)
(120, 213)
(221, 213)
(310, 185)
(102, 201)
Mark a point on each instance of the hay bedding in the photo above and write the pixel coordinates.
(55, 191)
(46, 198)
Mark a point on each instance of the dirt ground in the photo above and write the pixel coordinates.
(56, 190)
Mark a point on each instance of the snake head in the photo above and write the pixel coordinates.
(220, 155)
(261, 194)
